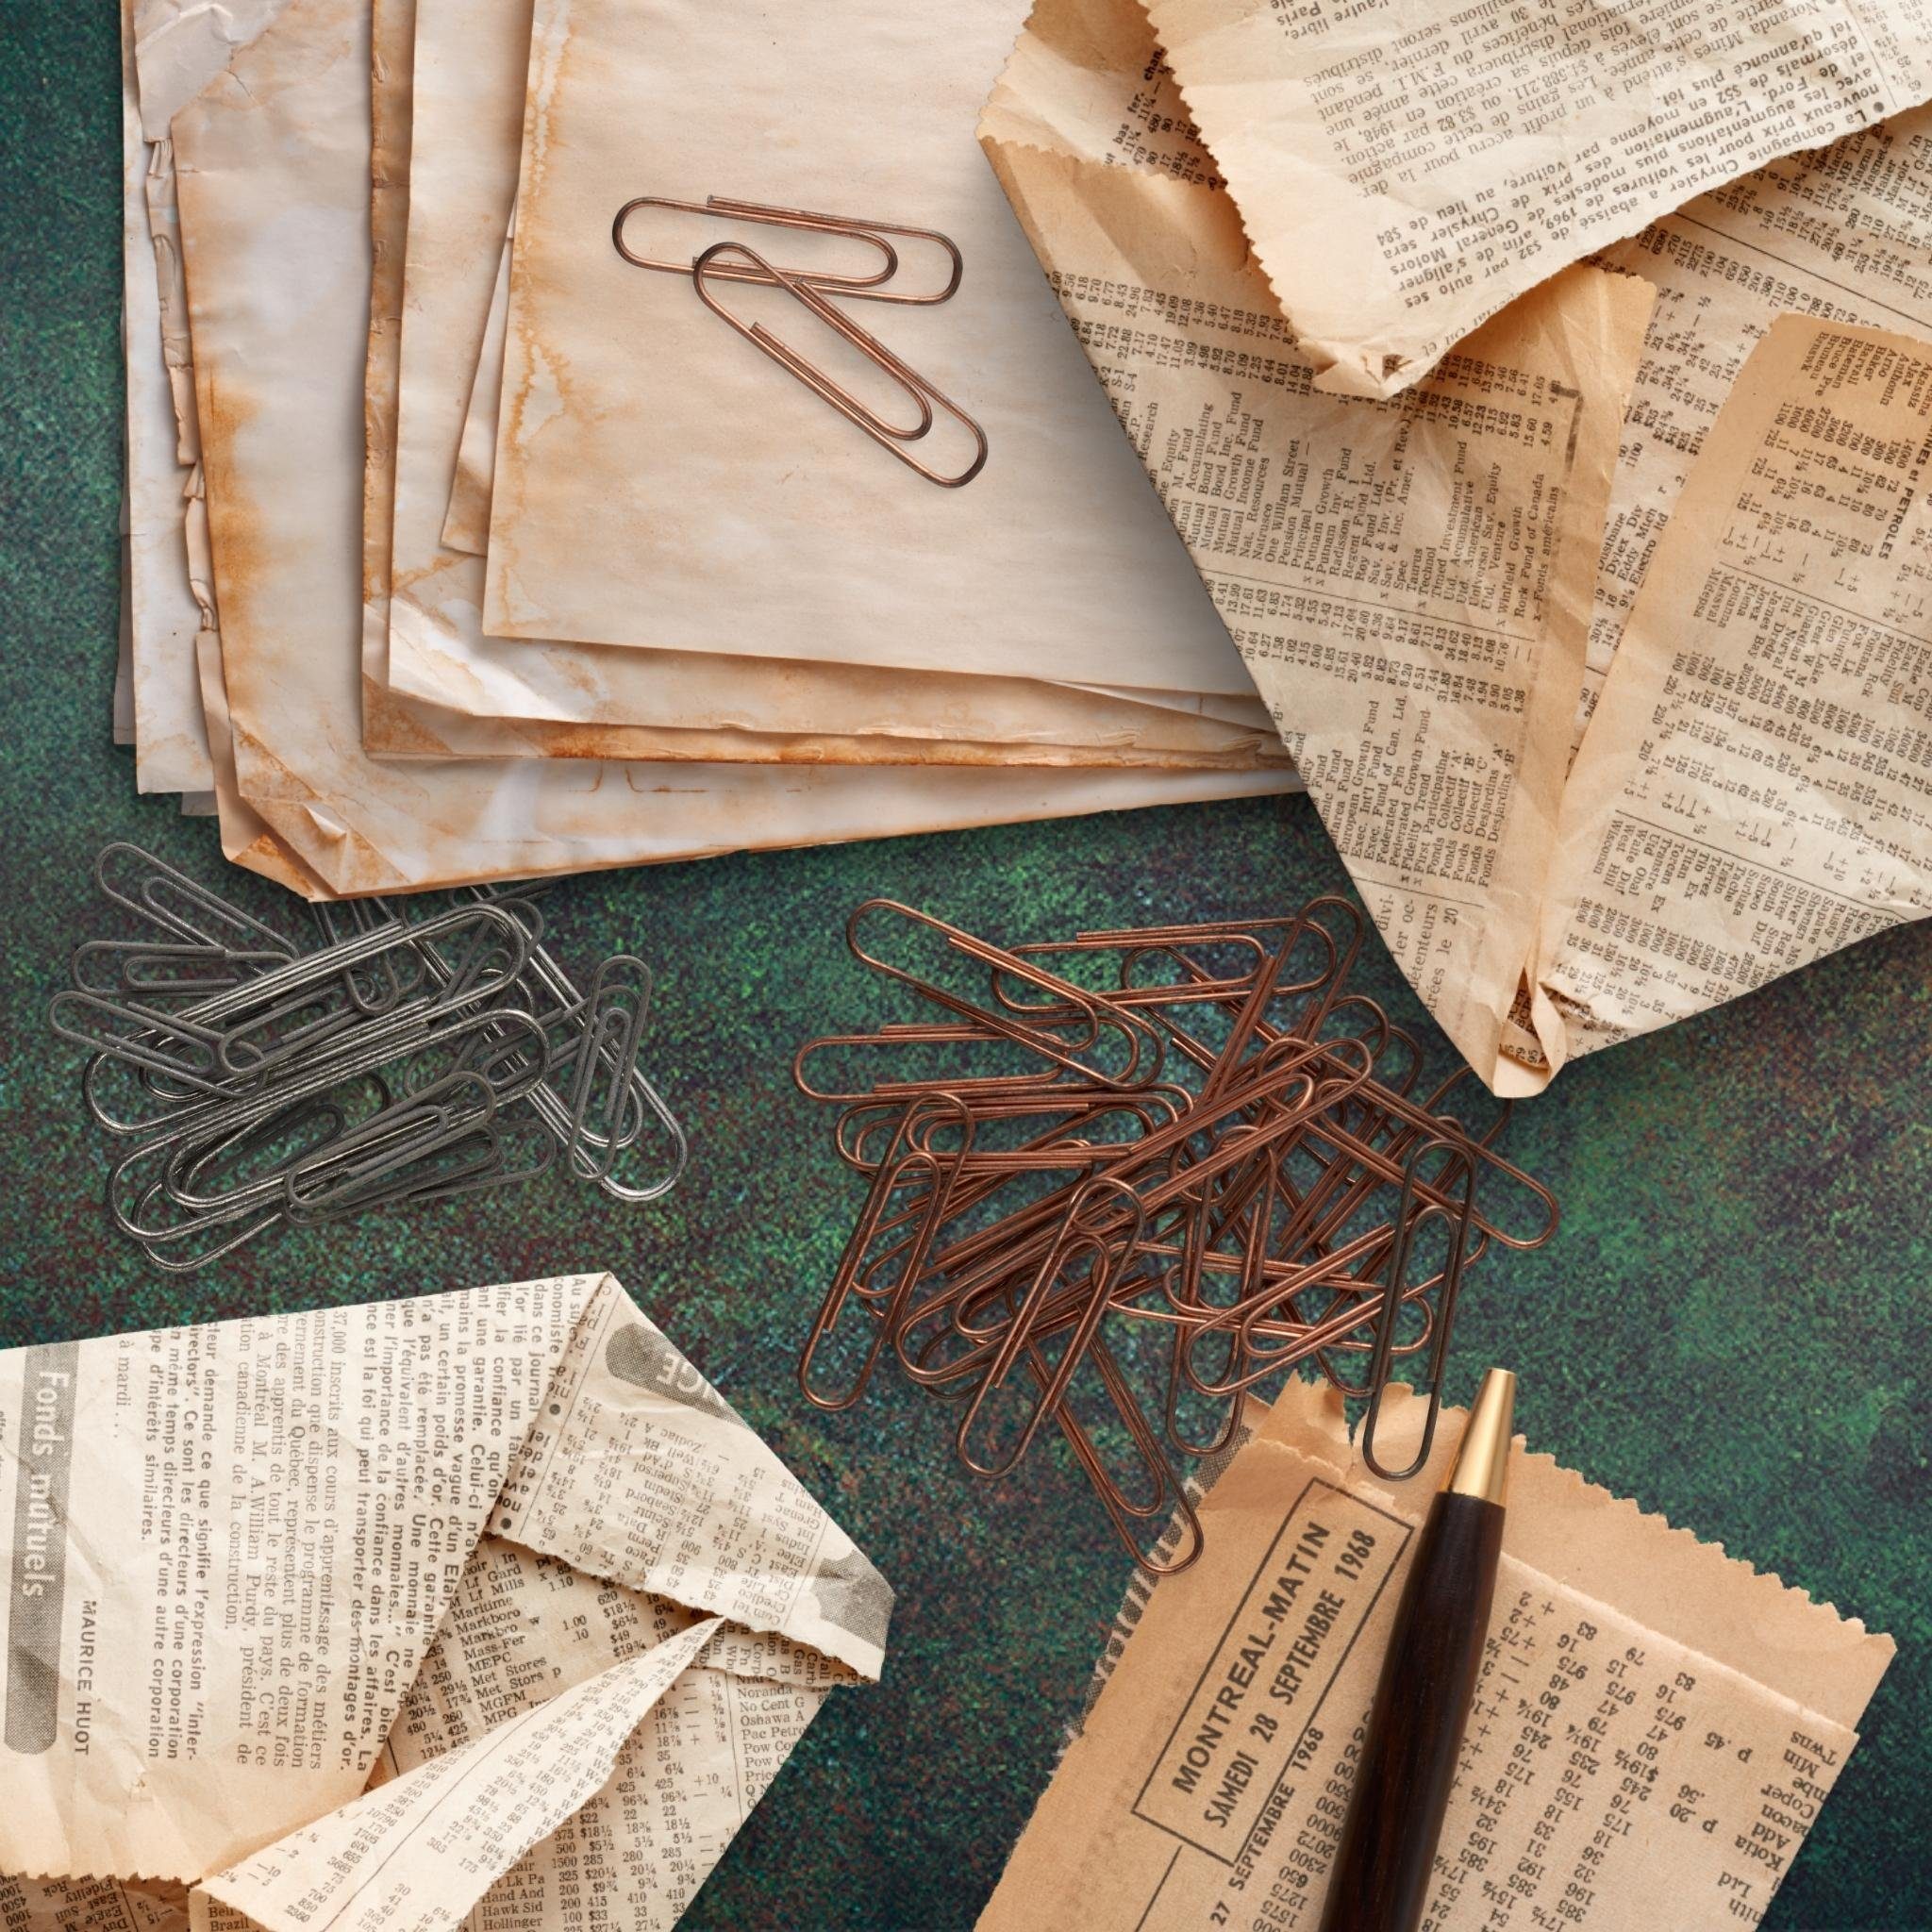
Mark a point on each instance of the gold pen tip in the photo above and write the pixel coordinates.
(1482, 1462)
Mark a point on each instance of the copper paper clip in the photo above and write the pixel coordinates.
(813, 289)
(872, 288)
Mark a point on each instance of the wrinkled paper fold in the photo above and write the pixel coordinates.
(1404, 173)
(386, 1608)
(1426, 586)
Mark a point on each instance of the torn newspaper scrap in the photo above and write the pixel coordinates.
(1840, 233)
(1655, 1727)
(1755, 789)
(362, 1617)
(1405, 173)
(1410, 582)
(1402, 575)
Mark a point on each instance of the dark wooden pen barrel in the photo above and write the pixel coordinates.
(1381, 1875)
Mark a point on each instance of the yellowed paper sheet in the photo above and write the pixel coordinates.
(1409, 581)
(1755, 789)
(246, 835)
(1841, 234)
(1655, 1728)
(280, 315)
(170, 738)
(124, 653)
(260, 1566)
(465, 108)
(172, 41)
(651, 461)
(467, 525)
(1404, 173)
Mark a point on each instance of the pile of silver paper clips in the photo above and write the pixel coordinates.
(813, 290)
(1185, 1154)
(400, 1058)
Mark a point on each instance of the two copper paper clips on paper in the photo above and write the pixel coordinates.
(820, 291)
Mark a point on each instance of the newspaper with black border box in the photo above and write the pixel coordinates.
(1655, 1727)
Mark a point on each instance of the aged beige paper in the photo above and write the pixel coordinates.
(280, 317)
(1405, 173)
(170, 738)
(500, 1556)
(466, 527)
(171, 41)
(1755, 789)
(651, 459)
(247, 837)
(518, 1632)
(1655, 1728)
(462, 114)
(124, 649)
(1841, 234)
(1409, 581)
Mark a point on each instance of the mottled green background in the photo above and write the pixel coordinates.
(1732, 1326)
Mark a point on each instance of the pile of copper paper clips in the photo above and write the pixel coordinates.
(401, 1060)
(1186, 1157)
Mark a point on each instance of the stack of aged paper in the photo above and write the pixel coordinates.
(450, 564)
(1655, 1729)
(1464, 497)
(1534, 401)
(475, 1609)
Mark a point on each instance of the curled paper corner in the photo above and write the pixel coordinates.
(181, 45)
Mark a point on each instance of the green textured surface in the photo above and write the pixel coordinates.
(1732, 1326)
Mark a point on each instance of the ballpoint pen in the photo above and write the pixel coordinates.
(1381, 1875)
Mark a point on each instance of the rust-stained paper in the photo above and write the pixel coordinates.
(273, 171)
(463, 117)
(162, 614)
(652, 461)
(1655, 1729)
(378, 1616)
(1755, 788)
(1410, 581)
(1404, 173)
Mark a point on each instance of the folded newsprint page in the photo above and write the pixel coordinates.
(1404, 173)
(1655, 1728)
(378, 1616)
(1410, 582)
(1755, 789)
(1840, 233)
(1401, 575)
